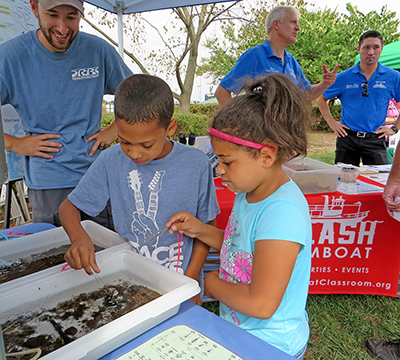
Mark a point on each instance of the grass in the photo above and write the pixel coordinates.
(326, 156)
(340, 324)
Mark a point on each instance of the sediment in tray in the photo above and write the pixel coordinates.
(50, 329)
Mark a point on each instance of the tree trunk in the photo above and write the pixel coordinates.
(184, 104)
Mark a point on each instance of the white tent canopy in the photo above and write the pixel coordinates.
(121, 7)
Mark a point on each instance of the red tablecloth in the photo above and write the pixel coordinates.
(356, 244)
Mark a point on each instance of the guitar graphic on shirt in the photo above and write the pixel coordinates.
(139, 227)
(144, 224)
(155, 187)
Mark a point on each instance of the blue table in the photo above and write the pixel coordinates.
(212, 326)
(22, 230)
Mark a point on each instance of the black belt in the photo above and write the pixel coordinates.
(361, 134)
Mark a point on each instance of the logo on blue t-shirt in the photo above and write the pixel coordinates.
(380, 84)
(86, 73)
(352, 86)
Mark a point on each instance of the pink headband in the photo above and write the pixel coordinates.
(236, 140)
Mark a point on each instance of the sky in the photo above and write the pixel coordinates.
(202, 85)
(362, 5)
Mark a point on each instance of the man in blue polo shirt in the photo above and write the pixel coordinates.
(271, 57)
(364, 91)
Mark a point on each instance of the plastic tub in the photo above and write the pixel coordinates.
(116, 263)
(46, 240)
(312, 176)
(28, 245)
(348, 174)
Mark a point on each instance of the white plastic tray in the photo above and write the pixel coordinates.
(28, 245)
(49, 239)
(51, 286)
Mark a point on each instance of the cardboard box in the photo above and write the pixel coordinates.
(116, 264)
(312, 176)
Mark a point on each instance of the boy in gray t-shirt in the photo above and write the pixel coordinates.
(147, 178)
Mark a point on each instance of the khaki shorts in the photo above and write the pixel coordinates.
(45, 204)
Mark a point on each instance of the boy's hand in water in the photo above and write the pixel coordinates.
(81, 254)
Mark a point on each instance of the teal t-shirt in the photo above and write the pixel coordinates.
(282, 216)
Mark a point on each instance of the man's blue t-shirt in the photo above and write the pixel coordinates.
(144, 197)
(287, 329)
(365, 113)
(59, 93)
(260, 61)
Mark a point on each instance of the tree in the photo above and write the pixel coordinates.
(330, 38)
(326, 37)
(181, 39)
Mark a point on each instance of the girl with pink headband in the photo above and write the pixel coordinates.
(265, 257)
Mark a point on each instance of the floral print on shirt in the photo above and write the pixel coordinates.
(236, 264)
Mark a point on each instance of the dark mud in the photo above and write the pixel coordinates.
(15, 269)
(51, 329)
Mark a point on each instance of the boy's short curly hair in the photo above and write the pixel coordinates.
(273, 111)
(144, 98)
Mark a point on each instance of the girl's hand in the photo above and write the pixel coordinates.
(209, 281)
(185, 223)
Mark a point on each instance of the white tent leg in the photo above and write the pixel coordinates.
(120, 35)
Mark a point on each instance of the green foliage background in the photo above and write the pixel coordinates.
(191, 123)
(200, 117)
(317, 121)
(197, 121)
(326, 37)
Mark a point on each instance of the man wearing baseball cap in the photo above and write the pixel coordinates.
(50, 4)
(56, 77)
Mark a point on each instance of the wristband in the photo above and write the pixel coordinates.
(395, 129)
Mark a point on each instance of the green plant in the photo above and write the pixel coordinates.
(107, 119)
(191, 123)
(206, 109)
(196, 122)
(212, 306)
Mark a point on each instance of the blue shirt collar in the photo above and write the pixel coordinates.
(379, 70)
(269, 51)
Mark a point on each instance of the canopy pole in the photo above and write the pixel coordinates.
(120, 35)
(119, 9)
